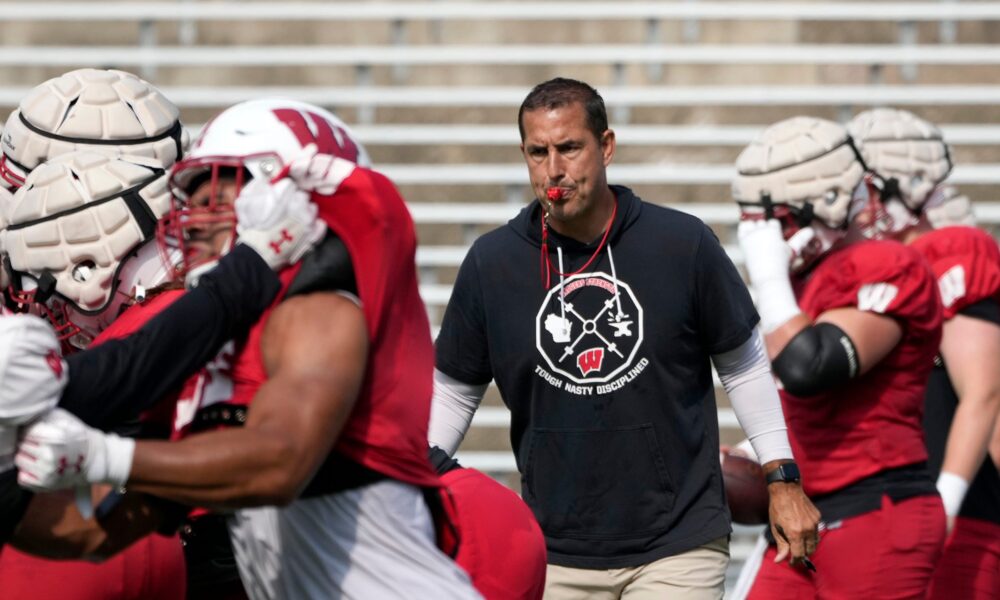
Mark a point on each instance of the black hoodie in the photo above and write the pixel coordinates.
(613, 416)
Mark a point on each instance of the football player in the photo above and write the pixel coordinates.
(118, 380)
(852, 327)
(339, 374)
(963, 396)
(106, 111)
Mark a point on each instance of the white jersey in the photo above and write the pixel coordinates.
(372, 542)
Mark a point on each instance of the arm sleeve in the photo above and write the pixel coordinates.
(121, 378)
(726, 315)
(746, 376)
(452, 407)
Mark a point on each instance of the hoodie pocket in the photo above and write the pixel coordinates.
(598, 484)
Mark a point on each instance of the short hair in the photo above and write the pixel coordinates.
(561, 91)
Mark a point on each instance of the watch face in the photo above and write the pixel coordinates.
(788, 472)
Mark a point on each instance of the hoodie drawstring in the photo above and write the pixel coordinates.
(614, 280)
(546, 262)
(562, 281)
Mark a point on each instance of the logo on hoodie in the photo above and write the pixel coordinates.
(589, 328)
(590, 360)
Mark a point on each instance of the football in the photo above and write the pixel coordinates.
(746, 490)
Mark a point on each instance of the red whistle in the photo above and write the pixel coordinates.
(554, 194)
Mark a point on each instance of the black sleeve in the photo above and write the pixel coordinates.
(461, 349)
(13, 503)
(818, 358)
(726, 315)
(121, 378)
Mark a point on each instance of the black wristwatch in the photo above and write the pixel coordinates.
(785, 473)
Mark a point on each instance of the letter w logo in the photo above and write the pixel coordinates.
(329, 139)
(876, 297)
(590, 360)
(952, 285)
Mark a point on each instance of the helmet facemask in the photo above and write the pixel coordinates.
(201, 224)
(805, 173)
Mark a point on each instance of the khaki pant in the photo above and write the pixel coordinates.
(698, 574)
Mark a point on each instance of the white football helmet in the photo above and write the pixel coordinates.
(100, 110)
(908, 153)
(259, 138)
(946, 207)
(806, 173)
(808, 166)
(77, 241)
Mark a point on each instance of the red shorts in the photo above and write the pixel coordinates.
(501, 546)
(150, 569)
(970, 566)
(887, 553)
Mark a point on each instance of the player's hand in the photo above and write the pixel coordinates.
(320, 173)
(278, 221)
(767, 257)
(59, 451)
(765, 252)
(794, 522)
(32, 372)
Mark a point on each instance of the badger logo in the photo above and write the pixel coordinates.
(589, 328)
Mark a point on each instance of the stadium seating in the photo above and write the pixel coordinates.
(433, 88)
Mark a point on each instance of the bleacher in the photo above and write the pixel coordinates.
(432, 89)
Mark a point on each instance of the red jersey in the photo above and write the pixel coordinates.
(873, 422)
(387, 429)
(966, 262)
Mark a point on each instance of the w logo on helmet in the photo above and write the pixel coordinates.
(329, 138)
(590, 360)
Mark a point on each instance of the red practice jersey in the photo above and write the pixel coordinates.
(966, 262)
(387, 430)
(873, 422)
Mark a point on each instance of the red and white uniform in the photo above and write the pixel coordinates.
(966, 262)
(870, 425)
(376, 540)
(387, 431)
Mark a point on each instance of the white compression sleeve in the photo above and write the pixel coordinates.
(746, 376)
(452, 407)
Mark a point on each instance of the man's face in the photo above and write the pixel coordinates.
(562, 152)
(210, 234)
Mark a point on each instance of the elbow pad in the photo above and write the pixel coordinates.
(818, 358)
